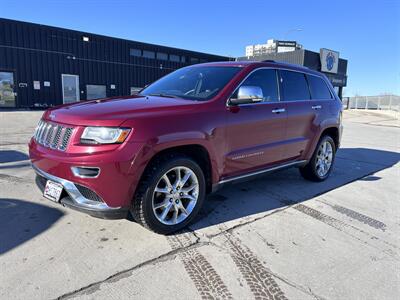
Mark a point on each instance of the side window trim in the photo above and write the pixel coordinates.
(278, 85)
(309, 87)
(281, 87)
(247, 76)
(326, 84)
(281, 93)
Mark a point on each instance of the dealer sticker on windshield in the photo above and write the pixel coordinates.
(53, 191)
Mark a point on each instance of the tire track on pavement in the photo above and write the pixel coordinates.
(95, 286)
(206, 279)
(258, 277)
(357, 216)
(344, 227)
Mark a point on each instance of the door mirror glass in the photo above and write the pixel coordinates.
(247, 94)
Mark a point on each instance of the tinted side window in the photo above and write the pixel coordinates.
(319, 89)
(294, 86)
(266, 80)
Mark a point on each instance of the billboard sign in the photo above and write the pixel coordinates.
(285, 46)
(337, 79)
(329, 60)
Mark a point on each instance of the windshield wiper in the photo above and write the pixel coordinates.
(163, 95)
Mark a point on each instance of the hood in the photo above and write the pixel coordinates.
(113, 111)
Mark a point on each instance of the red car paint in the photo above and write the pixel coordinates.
(238, 139)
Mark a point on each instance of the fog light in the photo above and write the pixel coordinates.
(86, 172)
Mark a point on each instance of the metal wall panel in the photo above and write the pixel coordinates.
(42, 53)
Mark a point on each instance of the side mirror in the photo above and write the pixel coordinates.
(247, 94)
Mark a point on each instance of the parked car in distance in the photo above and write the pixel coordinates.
(158, 154)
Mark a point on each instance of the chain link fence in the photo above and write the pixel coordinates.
(385, 102)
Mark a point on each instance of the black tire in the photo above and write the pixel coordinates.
(142, 207)
(309, 171)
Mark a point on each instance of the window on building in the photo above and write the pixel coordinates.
(173, 57)
(202, 60)
(194, 60)
(94, 91)
(266, 80)
(183, 59)
(319, 89)
(162, 56)
(135, 52)
(149, 54)
(294, 86)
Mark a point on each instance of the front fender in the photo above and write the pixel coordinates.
(187, 139)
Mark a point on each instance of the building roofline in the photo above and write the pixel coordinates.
(111, 37)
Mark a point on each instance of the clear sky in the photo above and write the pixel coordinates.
(367, 33)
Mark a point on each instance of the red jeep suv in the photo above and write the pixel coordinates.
(158, 154)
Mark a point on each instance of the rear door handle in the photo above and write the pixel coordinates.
(278, 110)
(316, 107)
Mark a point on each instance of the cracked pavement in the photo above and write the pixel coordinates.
(277, 237)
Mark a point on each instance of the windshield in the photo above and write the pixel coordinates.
(192, 83)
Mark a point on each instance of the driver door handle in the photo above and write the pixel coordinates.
(278, 110)
(316, 107)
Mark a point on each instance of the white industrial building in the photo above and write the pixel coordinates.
(272, 46)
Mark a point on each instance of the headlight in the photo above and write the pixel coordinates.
(104, 135)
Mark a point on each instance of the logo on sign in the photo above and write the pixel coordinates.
(330, 61)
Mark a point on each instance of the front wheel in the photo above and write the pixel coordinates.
(320, 164)
(170, 194)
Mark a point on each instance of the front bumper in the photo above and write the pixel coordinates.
(120, 168)
(74, 199)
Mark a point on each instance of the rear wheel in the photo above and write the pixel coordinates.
(320, 165)
(170, 195)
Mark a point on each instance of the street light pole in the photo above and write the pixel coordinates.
(291, 30)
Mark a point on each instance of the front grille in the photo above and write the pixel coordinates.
(54, 136)
(88, 193)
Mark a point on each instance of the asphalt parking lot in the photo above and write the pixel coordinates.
(278, 237)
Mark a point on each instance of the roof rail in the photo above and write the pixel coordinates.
(286, 63)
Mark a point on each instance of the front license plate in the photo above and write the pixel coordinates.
(53, 190)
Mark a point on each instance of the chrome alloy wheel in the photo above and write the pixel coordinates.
(324, 159)
(175, 195)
